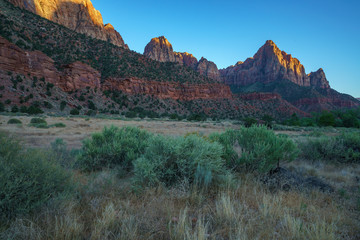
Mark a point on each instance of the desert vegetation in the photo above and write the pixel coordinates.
(128, 183)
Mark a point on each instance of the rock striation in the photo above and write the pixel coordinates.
(169, 90)
(271, 64)
(78, 15)
(160, 49)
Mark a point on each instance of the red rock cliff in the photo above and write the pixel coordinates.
(74, 76)
(78, 15)
(173, 90)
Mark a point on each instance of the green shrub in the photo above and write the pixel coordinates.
(74, 111)
(28, 179)
(59, 125)
(14, 109)
(38, 123)
(248, 122)
(62, 105)
(32, 110)
(168, 161)
(344, 148)
(14, 121)
(113, 146)
(2, 107)
(255, 149)
(130, 114)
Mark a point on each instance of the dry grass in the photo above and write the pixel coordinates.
(107, 208)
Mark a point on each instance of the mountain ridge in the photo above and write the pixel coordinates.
(160, 49)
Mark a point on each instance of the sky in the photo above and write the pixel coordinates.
(321, 34)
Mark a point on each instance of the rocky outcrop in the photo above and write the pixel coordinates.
(36, 64)
(160, 49)
(79, 76)
(271, 64)
(169, 90)
(186, 59)
(208, 68)
(78, 15)
(318, 79)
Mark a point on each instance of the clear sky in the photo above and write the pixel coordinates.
(321, 34)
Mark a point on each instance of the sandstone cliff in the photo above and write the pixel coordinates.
(36, 64)
(169, 90)
(271, 64)
(160, 49)
(78, 15)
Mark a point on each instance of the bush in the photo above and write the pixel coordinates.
(168, 161)
(255, 149)
(62, 105)
(14, 121)
(130, 114)
(59, 125)
(343, 149)
(113, 147)
(28, 179)
(37, 121)
(74, 111)
(14, 109)
(248, 122)
(32, 110)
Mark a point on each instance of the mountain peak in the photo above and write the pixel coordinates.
(78, 15)
(270, 43)
(270, 64)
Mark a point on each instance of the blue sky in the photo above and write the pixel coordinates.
(321, 34)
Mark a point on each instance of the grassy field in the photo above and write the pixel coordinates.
(105, 204)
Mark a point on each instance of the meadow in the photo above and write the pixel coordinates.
(94, 178)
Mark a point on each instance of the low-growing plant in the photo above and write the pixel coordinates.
(28, 178)
(59, 125)
(74, 111)
(344, 148)
(168, 161)
(14, 121)
(255, 148)
(113, 146)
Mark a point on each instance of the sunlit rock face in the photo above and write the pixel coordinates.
(78, 15)
(160, 49)
(270, 64)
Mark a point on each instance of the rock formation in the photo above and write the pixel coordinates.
(160, 49)
(208, 69)
(318, 79)
(169, 90)
(80, 76)
(271, 64)
(78, 15)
